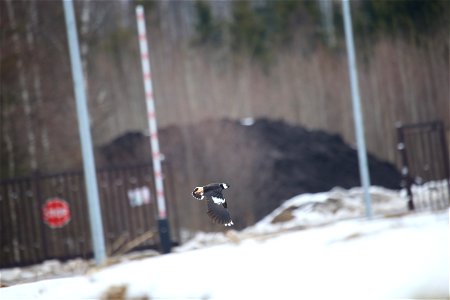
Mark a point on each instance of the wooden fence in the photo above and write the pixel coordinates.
(129, 215)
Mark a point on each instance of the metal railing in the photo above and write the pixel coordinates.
(425, 164)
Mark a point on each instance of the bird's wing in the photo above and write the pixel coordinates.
(216, 196)
(218, 212)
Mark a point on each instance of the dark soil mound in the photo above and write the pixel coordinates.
(265, 163)
(315, 161)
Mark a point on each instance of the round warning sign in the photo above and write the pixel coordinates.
(56, 212)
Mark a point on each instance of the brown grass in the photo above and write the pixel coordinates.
(284, 216)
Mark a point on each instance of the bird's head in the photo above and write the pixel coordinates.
(224, 186)
(198, 193)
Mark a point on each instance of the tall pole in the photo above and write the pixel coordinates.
(357, 113)
(95, 216)
(163, 224)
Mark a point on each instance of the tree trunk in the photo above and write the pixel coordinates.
(25, 95)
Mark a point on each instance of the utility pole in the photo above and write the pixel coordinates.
(95, 216)
(357, 113)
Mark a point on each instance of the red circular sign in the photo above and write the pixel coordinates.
(56, 212)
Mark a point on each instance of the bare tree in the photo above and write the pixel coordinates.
(34, 52)
(25, 95)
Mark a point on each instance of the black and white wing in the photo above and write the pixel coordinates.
(218, 212)
(217, 208)
(216, 204)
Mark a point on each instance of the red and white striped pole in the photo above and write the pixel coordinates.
(151, 117)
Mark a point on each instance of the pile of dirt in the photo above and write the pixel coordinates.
(265, 162)
(315, 161)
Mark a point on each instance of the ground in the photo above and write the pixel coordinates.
(400, 255)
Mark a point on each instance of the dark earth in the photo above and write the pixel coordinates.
(265, 163)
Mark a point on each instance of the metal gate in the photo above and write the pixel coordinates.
(128, 210)
(425, 164)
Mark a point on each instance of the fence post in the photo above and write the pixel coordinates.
(441, 129)
(401, 147)
(40, 200)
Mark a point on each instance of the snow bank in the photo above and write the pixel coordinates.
(400, 257)
(308, 210)
(341, 255)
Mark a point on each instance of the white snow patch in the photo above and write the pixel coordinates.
(308, 210)
(434, 191)
(403, 257)
(247, 121)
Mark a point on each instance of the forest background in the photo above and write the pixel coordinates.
(216, 59)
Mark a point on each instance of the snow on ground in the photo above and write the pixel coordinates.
(399, 257)
(309, 210)
(312, 246)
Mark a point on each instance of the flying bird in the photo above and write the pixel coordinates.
(216, 203)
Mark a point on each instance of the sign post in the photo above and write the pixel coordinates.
(163, 224)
